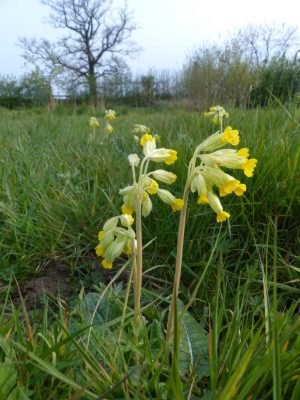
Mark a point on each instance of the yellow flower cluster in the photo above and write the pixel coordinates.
(110, 115)
(108, 128)
(148, 185)
(140, 129)
(115, 240)
(216, 113)
(93, 122)
(208, 174)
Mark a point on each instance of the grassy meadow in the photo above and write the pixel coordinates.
(239, 336)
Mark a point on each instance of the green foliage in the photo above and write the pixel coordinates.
(279, 79)
(216, 75)
(31, 90)
(193, 346)
(57, 189)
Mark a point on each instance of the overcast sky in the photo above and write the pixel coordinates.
(168, 29)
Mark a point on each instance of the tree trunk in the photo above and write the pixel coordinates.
(92, 82)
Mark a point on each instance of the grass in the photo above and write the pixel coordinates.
(240, 284)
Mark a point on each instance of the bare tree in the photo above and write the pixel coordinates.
(264, 43)
(94, 39)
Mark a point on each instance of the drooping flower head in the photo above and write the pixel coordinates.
(140, 129)
(93, 122)
(148, 183)
(115, 240)
(216, 113)
(209, 174)
(108, 128)
(110, 115)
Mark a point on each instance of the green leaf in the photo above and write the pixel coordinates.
(193, 346)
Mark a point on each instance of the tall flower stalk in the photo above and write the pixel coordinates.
(137, 198)
(204, 175)
(114, 240)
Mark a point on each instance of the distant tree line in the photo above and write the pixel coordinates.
(32, 89)
(253, 67)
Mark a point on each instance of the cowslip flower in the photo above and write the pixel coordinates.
(229, 158)
(220, 139)
(209, 174)
(110, 115)
(217, 113)
(140, 129)
(93, 122)
(108, 128)
(147, 185)
(163, 176)
(114, 240)
(168, 156)
(168, 198)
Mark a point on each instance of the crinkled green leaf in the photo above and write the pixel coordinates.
(193, 346)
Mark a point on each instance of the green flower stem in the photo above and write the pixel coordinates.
(180, 241)
(139, 265)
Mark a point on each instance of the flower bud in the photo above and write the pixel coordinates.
(166, 196)
(147, 207)
(115, 249)
(198, 184)
(164, 176)
(126, 220)
(134, 160)
(110, 223)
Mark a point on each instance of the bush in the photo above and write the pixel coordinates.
(31, 90)
(280, 79)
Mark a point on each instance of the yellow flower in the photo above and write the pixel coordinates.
(126, 219)
(228, 187)
(140, 129)
(217, 113)
(93, 122)
(240, 189)
(231, 136)
(223, 158)
(108, 128)
(100, 250)
(244, 152)
(152, 189)
(127, 250)
(146, 138)
(222, 216)
(218, 139)
(216, 205)
(169, 198)
(172, 157)
(126, 210)
(100, 235)
(249, 167)
(177, 204)
(215, 176)
(202, 199)
(106, 264)
(110, 115)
